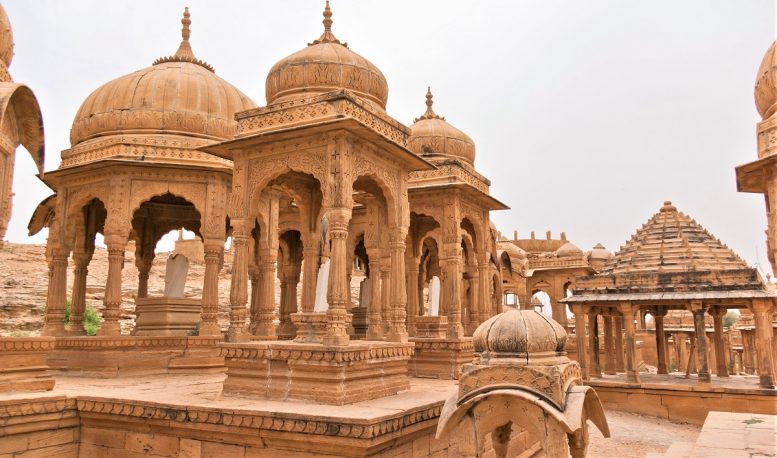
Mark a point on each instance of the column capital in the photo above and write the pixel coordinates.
(659, 312)
(627, 308)
(697, 306)
(761, 306)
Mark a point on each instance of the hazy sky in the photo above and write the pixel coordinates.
(586, 115)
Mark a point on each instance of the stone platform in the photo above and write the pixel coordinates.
(440, 357)
(136, 355)
(731, 435)
(685, 400)
(23, 364)
(187, 415)
(337, 375)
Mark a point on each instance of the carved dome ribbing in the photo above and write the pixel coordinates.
(766, 84)
(432, 135)
(6, 46)
(323, 66)
(178, 94)
(519, 332)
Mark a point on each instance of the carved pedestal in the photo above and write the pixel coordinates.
(359, 322)
(23, 364)
(437, 356)
(335, 375)
(311, 326)
(166, 316)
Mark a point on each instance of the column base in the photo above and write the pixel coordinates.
(210, 329)
(167, 316)
(311, 327)
(440, 358)
(334, 375)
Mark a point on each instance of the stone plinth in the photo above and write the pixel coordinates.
(431, 326)
(311, 327)
(334, 375)
(166, 316)
(23, 364)
(359, 322)
(439, 357)
(134, 355)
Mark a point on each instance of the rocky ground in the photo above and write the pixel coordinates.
(635, 435)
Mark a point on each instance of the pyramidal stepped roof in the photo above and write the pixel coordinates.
(671, 241)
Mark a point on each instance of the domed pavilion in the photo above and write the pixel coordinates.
(21, 123)
(134, 172)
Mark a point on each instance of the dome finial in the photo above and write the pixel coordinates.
(429, 114)
(327, 36)
(184, 52)
(668, 207)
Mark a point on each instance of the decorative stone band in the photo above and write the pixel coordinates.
(23, 407)
(550, 263)
(442, 344)
(444, 173)
(114, 343)
(273, 421)
(164, 148)
(329, 106)
(314, 352)
(27, 344)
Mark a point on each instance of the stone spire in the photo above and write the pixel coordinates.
(327, 36)
(184, 52)
(429, 114)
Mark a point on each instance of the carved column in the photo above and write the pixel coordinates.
(112, 300)
(256, 296)
(595, 369)
(484, 299)
(699, 309)
(238, 291)
(679, 343)
(412, 294)
(56, 298)
(474, 305)
(619, 363)
(397, 331)
(265, 307)
(609, 354)
(628, 310)
(374, 319)
(748, 350)
(385, 291)
(209, 326)
(582, 354)
(310, 255)
(658, 316)
(78, 302)
(339, 291)
(288, 301)
(762, 311)
(720, 352)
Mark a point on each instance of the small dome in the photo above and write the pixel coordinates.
(569, 250)
(179, 94)
(515, 333)
(325, 65)
(6, 46)
(599, 252)
(512, 250)
(766, 84)
(431, 135)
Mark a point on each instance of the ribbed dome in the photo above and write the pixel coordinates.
(569, 250)
(6, 46)
(432, 135)
(516, 333)
(766, 84)
(323, 66)
(176, 95)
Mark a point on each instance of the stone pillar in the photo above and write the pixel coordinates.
(720, 353)
(397, 331)
(748, 349)
(658, 317)
(209, 325)
(484, 299)
(699, 309)
(78, 301)
(582, 356)
(619, 363)
(310, 255)
(143, 271)
(339, 291)
(628, 310)
(112, 299)
(288, 301)
(56, 298)
(762, 311)
(609, 354)
(265, 307)
(474, 305)
(413, 305)
(253, 306)
(679, 343)
(374, 319)
(385, 293)
(238, 291)
(595, 369)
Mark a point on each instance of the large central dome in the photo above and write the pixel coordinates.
(323, 66)
(178, 95)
